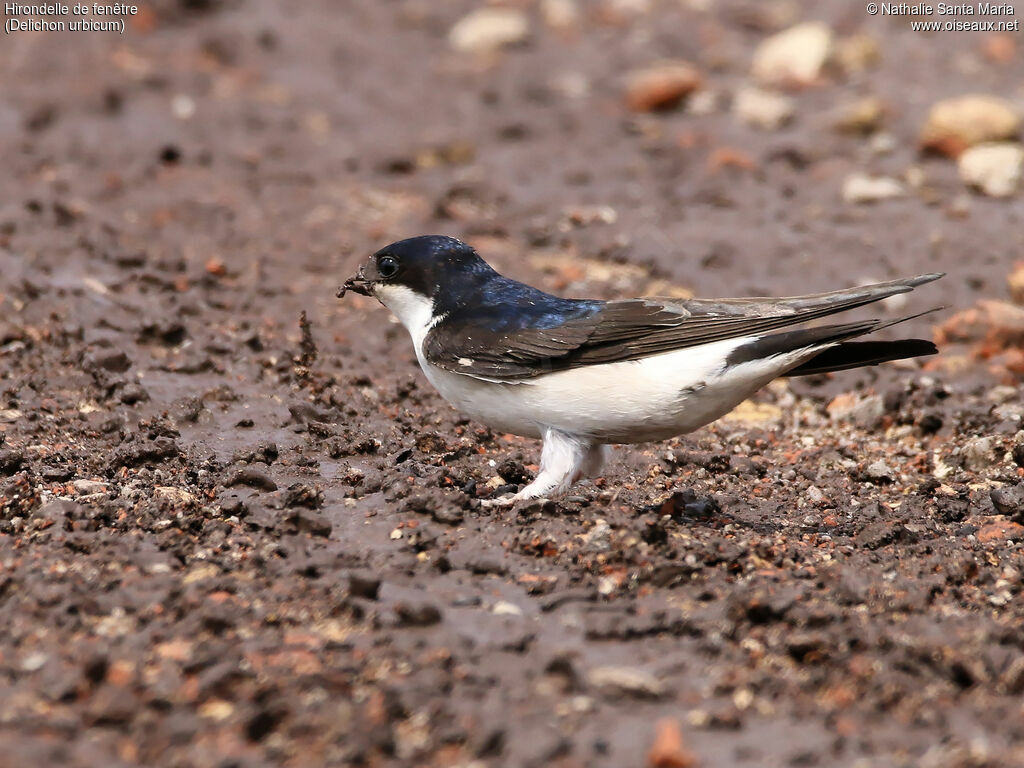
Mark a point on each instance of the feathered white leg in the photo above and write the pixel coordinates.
(561, 464)
(564, 459)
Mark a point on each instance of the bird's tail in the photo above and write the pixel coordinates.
(836, 353)
(854, 354)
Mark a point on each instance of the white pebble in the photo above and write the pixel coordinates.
(861, 188)
(994, 169)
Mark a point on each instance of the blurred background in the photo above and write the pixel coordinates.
(727, 147)
(724, 148)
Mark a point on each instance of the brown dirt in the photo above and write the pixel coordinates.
(224, 542)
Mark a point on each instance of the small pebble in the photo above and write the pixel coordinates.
(763, 109)
(661, 86)
(794, 57)
(979, 454)
(955, 124)
(861, 117)
(86, 487)
(489, 29)
(560, 14)
(626, 682)
(503, 608)
(995, 169)
(879, 472)
(861, 188)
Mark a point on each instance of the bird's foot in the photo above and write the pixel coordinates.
(507, 500)
(511, 499)
(564, 460)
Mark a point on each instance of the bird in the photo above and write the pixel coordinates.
(582, 374)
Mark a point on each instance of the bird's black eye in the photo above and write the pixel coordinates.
(387, 266)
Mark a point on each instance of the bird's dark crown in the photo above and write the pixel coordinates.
(435, 253)
(435, 266)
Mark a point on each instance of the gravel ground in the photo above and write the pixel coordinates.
(234, 534)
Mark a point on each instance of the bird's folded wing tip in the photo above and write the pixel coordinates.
(923, 313)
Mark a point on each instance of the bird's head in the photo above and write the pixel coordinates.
(411, 275)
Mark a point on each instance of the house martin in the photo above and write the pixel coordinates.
(581, 374)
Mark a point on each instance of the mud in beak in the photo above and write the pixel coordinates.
(357, 284)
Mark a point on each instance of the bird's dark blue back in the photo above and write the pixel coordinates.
(508, 305)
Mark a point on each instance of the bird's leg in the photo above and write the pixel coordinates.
(594, 461)
(564, 459)
(562, 462)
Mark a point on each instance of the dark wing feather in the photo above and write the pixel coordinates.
(630, 330)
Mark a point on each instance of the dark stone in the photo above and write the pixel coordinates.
(686, 504)
(133, 393)
(167, 331)
(143, 452)
(11, 460)
(95, 669)
(303, 495)
(417, 614)
(1018, 454)
(491, 744)
(806, 648)
(760, 606)
(263, 723)
(308, 521)
(264, 453)
(233, 505)
(513, 472)
(652, 530)
(881, 534)
(252, 477)
(952, 509)
(363, 584)
(170, 155)
(113, 360)
(1008, 500)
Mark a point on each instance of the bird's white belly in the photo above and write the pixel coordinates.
(625, 402)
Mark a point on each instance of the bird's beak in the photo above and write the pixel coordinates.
(357, 284)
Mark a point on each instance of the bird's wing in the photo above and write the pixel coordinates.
(628, 330)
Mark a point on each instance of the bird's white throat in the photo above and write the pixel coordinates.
(413, 310)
